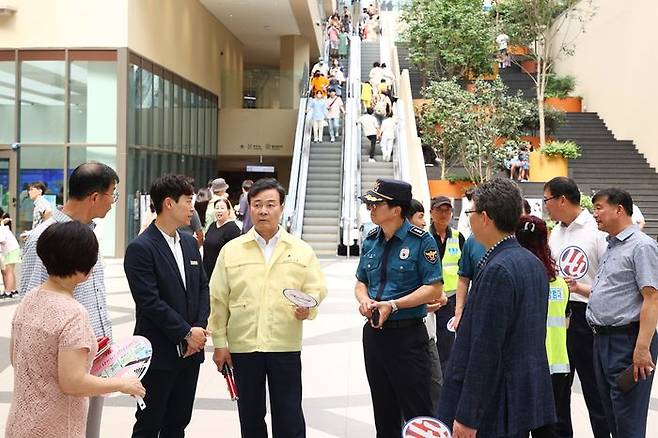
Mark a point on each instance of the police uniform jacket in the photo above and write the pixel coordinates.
(397, 267)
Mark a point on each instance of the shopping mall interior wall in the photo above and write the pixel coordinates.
(90, 23)
(615, 63)
(187, 39)
(267, 132)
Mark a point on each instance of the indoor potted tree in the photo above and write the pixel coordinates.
(530, 124)
(552, 160)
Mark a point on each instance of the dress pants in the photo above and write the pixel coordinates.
(169, 402)
(283, 372)
(445, 339)
(626, 412)
(436, 375)
(561, 382)
(580, 341)
(373, 143)
(397, 362)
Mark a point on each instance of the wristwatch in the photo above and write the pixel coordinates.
(188, 335)
(394, 307)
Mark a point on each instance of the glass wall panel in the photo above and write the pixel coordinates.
(158, 111)
(93, 102)
(42, 101)
(7, 101)
(194, 123)
(146, 108)
(186, 120)
(215, 124)
(39, 163)
(178, 118)
(208, 128)
(168, 109)
(134, 99)
(105, 227)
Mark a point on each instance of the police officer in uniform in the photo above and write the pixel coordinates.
(399, 272)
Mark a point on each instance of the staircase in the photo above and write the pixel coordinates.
(369, 55)
(608, 162)
(322, 205)
(414, 74)
(605, 161)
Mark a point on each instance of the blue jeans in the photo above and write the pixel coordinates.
(334, 127)
(626, 412)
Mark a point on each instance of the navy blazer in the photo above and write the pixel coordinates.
(497, 379)
(165, 310)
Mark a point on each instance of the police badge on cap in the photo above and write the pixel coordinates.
(388, 190)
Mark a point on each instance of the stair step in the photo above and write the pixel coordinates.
(320, 229)
(320, 238)
(320, 221)
(323, 198)
(330, 206)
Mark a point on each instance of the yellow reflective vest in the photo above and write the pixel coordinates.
(556, 326)
(450, 263)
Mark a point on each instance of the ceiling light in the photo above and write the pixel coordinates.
(7, 10)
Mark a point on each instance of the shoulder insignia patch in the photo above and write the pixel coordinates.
(431, 255)
(417, 231)
(373, 232)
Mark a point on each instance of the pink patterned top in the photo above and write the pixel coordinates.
(45, 323)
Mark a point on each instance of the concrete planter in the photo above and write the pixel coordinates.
(544, 168)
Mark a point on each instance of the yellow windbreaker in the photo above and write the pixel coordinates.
(248, 311)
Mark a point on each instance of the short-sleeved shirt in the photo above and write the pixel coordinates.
(369, 125)
(318, 108)
(44, 324)
(577, 249)
(333, 107)
(397, 267)
(628, 265)
(472, 253)
(41, 206)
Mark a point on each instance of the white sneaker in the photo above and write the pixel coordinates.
(333, 139)
(371, 160)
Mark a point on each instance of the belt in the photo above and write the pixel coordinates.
(615, 329)
(402, 323)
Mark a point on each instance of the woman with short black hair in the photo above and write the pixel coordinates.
(53, 345)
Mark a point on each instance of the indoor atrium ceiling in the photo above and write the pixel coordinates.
(258, 24)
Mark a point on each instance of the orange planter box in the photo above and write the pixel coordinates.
(514, 49)
(544, 168)
(447, 188)
(529, 66)
(567, 104)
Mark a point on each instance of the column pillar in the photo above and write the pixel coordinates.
(293, 69)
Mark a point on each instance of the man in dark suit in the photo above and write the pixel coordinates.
(498, 382)
(170, 289)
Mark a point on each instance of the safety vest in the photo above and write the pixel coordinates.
(450, 263)
(556, 327)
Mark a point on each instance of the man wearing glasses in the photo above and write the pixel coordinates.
(577, 246)
(398, 273)
(91, 194)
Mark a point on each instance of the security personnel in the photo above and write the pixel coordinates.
(450, 243)
(399, 272)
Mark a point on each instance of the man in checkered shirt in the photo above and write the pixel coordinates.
(92, 191)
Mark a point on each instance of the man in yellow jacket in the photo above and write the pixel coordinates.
(255, 329)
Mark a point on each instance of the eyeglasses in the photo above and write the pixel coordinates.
(467, 212)
(114, 195)
(548, 199)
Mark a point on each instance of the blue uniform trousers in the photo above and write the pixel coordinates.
(626, 412)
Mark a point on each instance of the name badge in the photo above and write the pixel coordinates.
(194, 263)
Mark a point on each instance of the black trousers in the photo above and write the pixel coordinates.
(397, 363)
(169, 402)
(580, 344)
(283, 372)
(445, 339)
(373, 143)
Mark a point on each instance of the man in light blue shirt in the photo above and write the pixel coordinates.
(623, 313)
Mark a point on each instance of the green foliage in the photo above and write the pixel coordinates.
(471, 122)
(559, 86)
(453, 33)
(530, 116)
(566, 149)
(586, 203)
(457, 178)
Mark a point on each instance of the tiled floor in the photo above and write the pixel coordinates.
(336, 397)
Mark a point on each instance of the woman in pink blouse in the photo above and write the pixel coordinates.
(53, 345)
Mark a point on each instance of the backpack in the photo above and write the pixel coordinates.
(380, 107)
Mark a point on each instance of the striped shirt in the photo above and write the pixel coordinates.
(91, 293)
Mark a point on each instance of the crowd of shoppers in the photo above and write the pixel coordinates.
(377, 121)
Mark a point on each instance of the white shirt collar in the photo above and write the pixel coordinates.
(170, 240)
(267, 248)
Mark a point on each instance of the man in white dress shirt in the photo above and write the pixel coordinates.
(577, 246)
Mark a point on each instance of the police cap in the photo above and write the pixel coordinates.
(388, 190)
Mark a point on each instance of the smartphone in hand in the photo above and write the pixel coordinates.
(375, 317)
